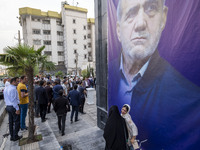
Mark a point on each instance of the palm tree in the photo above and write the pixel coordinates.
(26, 58)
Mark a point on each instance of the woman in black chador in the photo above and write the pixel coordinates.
(115, 132)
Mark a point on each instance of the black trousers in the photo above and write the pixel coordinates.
(37, 108)
(43, 110)
(74, 109)
(49, 107)
(61, 122)
(14, 121)
(82, 105)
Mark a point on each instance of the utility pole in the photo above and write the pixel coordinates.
(19, 39)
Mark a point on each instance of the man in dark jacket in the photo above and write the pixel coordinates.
(36, 105)
(82, 95)
(74, 97)
(61, 107)
(42, 98)
(49, 91)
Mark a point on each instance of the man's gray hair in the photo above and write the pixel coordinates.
(119, 10)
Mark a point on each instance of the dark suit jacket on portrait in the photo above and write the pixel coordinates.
(165, 106)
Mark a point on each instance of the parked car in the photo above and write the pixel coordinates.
(2, 87)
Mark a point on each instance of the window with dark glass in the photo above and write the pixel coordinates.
(74, 21)
(59, 43)
(46, 42)
(47, 53)
(36, 31)
(46, 21)
(46, 32)
(60, 33)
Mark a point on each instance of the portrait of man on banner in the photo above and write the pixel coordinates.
(165, 104)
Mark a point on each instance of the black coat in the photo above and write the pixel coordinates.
(41, 95)
(115, 131)
(49, 91)
(61, 105)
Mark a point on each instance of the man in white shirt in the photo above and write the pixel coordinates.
(12, 106)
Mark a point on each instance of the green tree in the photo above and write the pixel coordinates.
(84, 73)
(26, 59)
(59, 74)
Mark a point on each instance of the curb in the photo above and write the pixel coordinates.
(2, 111)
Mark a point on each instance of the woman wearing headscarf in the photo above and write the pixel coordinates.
(115, 131)
(132, 129)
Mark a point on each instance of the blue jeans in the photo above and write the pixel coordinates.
(23, 113)
(14, 121)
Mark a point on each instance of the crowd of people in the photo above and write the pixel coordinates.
(47, 93)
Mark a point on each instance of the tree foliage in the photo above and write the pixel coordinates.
(24, 59)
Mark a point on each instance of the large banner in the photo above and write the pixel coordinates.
(154, 66)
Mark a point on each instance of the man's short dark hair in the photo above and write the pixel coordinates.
(22, 77)
(48, 83)
(13, 79)
(57, 81)
(60, 92)
(41, 83)
(75, 86)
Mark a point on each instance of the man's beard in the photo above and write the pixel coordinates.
(141, 54)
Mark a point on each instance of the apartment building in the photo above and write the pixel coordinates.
(68, 36)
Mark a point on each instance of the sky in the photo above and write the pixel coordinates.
(9, 11)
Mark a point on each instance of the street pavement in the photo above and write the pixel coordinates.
(81, 135)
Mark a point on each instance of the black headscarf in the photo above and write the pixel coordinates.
(115, 131)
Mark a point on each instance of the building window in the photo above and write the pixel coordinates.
(89, 27)
(60, 43)
(60, 53)
(74, 21)
(58, 23)
(47, 42)
(35, 19)
(48, 53)
(36, 42)
(84, 37)
(60, 33)
(36, 31)
(46, 32)
(74, 31)
(75, 42)
(89, 53)
(46, 21)
(89, 44)
(84, 27)
(75, 51)
(85, 46)
(60, 62)
(85, 56)
(89, 36)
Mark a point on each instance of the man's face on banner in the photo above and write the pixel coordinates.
(139, 27)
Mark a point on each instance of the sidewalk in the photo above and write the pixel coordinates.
(81, 135)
